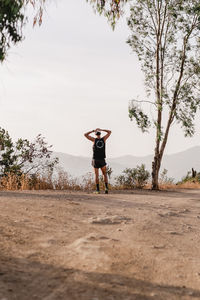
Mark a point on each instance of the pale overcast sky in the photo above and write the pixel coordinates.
(74, 74)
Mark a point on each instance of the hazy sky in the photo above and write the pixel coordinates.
(74, 74)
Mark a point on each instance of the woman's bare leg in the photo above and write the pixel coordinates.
(96, 172)
(105, 178)
(104, 174)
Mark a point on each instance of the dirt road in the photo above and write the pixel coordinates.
(123, 246)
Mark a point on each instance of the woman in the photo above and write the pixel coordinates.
(99, 155)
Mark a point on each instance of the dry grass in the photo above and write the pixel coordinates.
(185, 185)
(64, 181)
(167, 186)
(188, 185)
(11, 182)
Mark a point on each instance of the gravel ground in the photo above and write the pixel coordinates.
(80, 246)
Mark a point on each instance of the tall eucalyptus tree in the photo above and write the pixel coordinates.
(165, 35)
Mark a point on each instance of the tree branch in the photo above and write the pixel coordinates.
(144, 101)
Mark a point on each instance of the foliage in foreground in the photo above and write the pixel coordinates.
(13, 18)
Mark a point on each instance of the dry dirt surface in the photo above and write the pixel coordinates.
(75, 245)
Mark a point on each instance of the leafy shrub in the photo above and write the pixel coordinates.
(191, 177)
(164, 179)
(133, 178)
(25, 157)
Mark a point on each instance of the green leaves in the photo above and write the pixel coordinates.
(133, 177)
(135, 112)
(166, 40)
(11, 21)
(112, 9)
(23, 156)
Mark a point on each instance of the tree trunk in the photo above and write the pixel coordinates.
(156, 165)
(156, 162)
(155, 172)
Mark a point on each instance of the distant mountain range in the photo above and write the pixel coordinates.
(177, 164)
